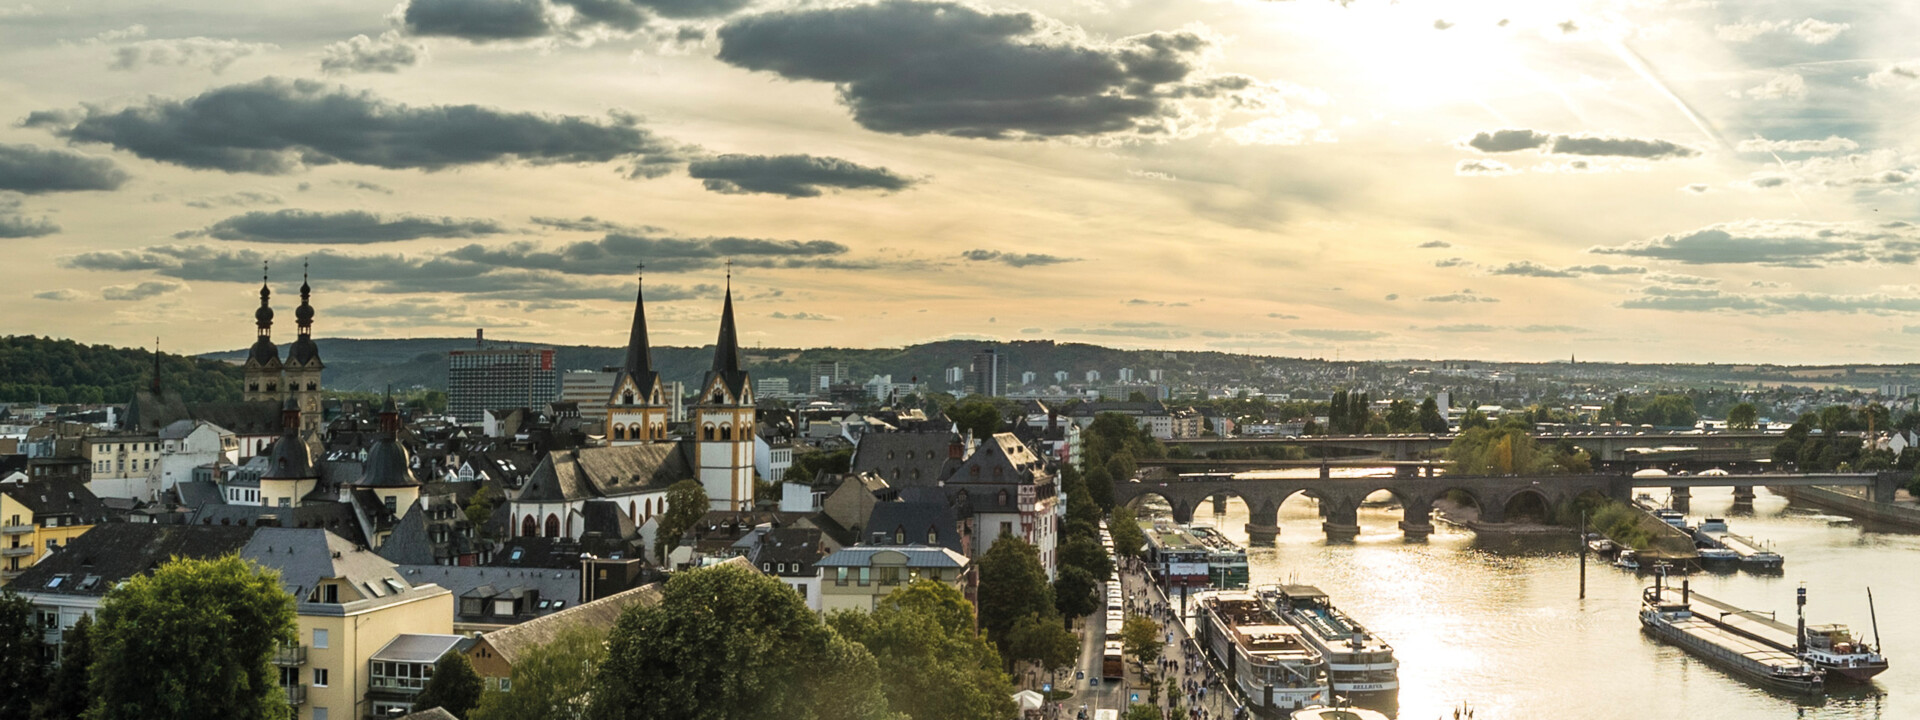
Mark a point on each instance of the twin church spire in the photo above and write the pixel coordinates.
(637, 406)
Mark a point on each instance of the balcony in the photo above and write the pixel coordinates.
(15, 529)
(54, 636)
(296, 694)
(21, 551)
(290, 656)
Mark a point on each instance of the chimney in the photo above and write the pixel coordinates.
(956, 450)
(480, 337)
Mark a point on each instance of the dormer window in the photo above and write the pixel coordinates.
(933, 535)
(1003, 497)
(627, 399)
(900, 536)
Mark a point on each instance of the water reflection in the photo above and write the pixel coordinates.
(1496, 623)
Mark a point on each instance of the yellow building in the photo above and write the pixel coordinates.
(856, 578)
(349, 602)
(39, 515)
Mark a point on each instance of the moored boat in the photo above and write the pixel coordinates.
(1627, 559)
(1667, 613)
(1269, 661)
(1226, 560)
(1358, 662)
(1831, 648)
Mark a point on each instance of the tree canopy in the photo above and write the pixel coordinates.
(21, 669)
(1013, 585)
(1140, 637)
(455, 687)
(550, 681)
(1743, 417)
(1125, 530)
(64, 371)
(686, 504)
(937, 666)
(223, 620)
(67, 694)
(727, 643)
(1508, 449)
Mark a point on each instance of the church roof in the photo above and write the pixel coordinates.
(639, 361)
(727, 366)
(567, 475)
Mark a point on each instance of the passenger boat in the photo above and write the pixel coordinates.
(1226, 560)
(1174, 556)
(1358, 662)
(1322, 712)
(1273, 666)
(1667, 613)
(1713, 525)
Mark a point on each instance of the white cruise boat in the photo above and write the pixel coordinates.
(1273, 666)
(1358, 662)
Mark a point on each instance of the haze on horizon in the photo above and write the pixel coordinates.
(1621, 180)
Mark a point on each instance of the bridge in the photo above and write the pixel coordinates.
(1411, 446)
(1496, 496)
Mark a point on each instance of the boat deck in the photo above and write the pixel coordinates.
(1759, 627)
(1727, 641)
(1744, 546)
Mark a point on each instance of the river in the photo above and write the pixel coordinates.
(1498, 625)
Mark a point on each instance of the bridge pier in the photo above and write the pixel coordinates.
(1416, 521)
(1263, 523)
(1680, 499)
(1743, 494)
(1342, 520)
(1182, 512)
(1219, 504)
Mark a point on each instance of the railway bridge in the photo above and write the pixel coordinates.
(1496, 496)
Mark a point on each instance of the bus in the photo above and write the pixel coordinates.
(1112, 666)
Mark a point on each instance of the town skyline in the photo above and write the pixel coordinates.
(1616, 181)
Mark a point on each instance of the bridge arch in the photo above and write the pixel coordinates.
(1527, 504)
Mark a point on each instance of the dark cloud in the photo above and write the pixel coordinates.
(141, 291)
(1464, 296)
(616, 254)
(477, 20)
(15, 225)
(1510, 140)
(276, 126)
(1479, 166)
(1517, 139)
(34, 170)
(1780, 243)
(243, 198)
(795, 176)
(390, 53)
(1768, 181)
(947, 68)
(630, 15)
(1529, 268)
(364, 185)
(1016, 259)
(348, 227)
(57, 295)
(589, 223)
(1608, 269)
(1337, 334)
(1452, 262)
(1436, 244)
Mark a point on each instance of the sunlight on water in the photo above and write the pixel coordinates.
(1497, 623)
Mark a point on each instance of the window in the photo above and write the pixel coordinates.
(393, 504)
(319, 714)
(802, 589)
(840, 576)
(289, 676)
(933, 535)
(889, 576)
(864, 579)
(331, 592)
(319, 677)
(1006, 528)
(320, 634)
(288, 502)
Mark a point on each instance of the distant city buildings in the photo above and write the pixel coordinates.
(824, 376)
(986, 375)
(588, 390)
(487, 379)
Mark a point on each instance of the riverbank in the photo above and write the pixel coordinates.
(1468, 517)
(1905, 516)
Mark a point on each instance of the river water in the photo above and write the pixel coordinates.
(1497, 625)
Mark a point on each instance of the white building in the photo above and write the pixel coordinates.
(1093, 376)
(188, 444)
(1126, 375)
(772, 457)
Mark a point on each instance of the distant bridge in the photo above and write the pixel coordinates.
(1497, 496)
(1412, 446)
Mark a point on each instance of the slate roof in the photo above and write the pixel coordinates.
(789, 545)
(907, 459)
(388, 464)
(61, 497)
(512, 642)
(914, 519)
(304, 557)
(1001, 459)
(568, 475)
(408, 543)
(462, 581)
(334, 517)
(917, 556)
(90, 565)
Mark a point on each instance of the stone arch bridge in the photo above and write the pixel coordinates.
(1340, 498)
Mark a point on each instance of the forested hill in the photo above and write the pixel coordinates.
(64, 371)
(371, 365)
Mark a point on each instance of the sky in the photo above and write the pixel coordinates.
(1622, 180)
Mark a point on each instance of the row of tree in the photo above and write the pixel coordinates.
(64, 371)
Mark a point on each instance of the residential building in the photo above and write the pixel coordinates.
(482, 379)
(772, 454)
(856, 578)
(1007, 490)
(188, 444)
(399, 670)
(124, 465)
(40, 516)
(787, 554)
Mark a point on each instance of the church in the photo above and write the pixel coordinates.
(614, 491)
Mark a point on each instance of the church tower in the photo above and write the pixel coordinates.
(723, 424)
(262, 373)
(303, 367)
(637, 410)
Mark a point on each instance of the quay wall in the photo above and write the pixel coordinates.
(1903, 516)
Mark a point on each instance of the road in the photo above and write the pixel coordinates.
(1148, 599)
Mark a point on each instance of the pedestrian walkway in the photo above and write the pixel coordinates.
(1203, 696)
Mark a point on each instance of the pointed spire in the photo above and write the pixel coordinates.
(639, 351)
(726, 350)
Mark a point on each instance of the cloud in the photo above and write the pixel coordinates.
(1816, 32)
(57, 295)
(1515, 140)
(1466, 328)
(364, 185)
(1015, 259)
(1453, 262)
(1435, 244)
(1143, 330)
(795, 176)
(142, 291)
(202, 52)
(33, 170)
(1282, 316)
(1785, 86)
(1441, 24)
(1680, 279)
(801, 316)
(616, 254)
(1911, 329)
(1712, 300)
(361, 54)
(1392, 297)
(630, 15)
(1790, 243)
(1337, 334)
(277, 126)
(243, 198)
(15, 225)
(1464, 296)
(1696, 188)
(1833, 143)
(347, 227)
(1897, 74)
(589, 223)
(1529, 268)
(477, 20)
(1607, 269)
(1550, 329)
(946, 68)
(1483, 167)
(1747, 31)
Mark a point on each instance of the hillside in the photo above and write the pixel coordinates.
(64, 371)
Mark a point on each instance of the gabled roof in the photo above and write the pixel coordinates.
(569, 475)
(1001, 459)
(915, 519)
(58, 497)
(907, 459)
(512, 642)
(90, 565)
(917, 556)
(305, 557)
(463, 581)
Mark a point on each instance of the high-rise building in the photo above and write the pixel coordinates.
(774, 386)
(1027, 378)
(956, 375)
(480, 380)
(589, 390)
(1093, 376)
(825, 375)
(1060, 376)
(987, 375)
(1126, 375)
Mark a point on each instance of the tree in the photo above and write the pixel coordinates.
(1140, 637)
(808, 467)
(455, 687)
(1622, 408)
(1100, 486)
(1076, 592)
(1431, 421)
(67, 695)
(1083, 551)
(223, 620)
(1402, 416)
(21, 668)
(1125, 530)
(686, 504)
(727, 643)
(1142, 711)
(480, 506)
(550, 681)
(976, 414)
(1669, 411)
(937, 665)
(1743, 417)
(1122, 467)
(1043, 641)
(1509, 449)
(1013, 585)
